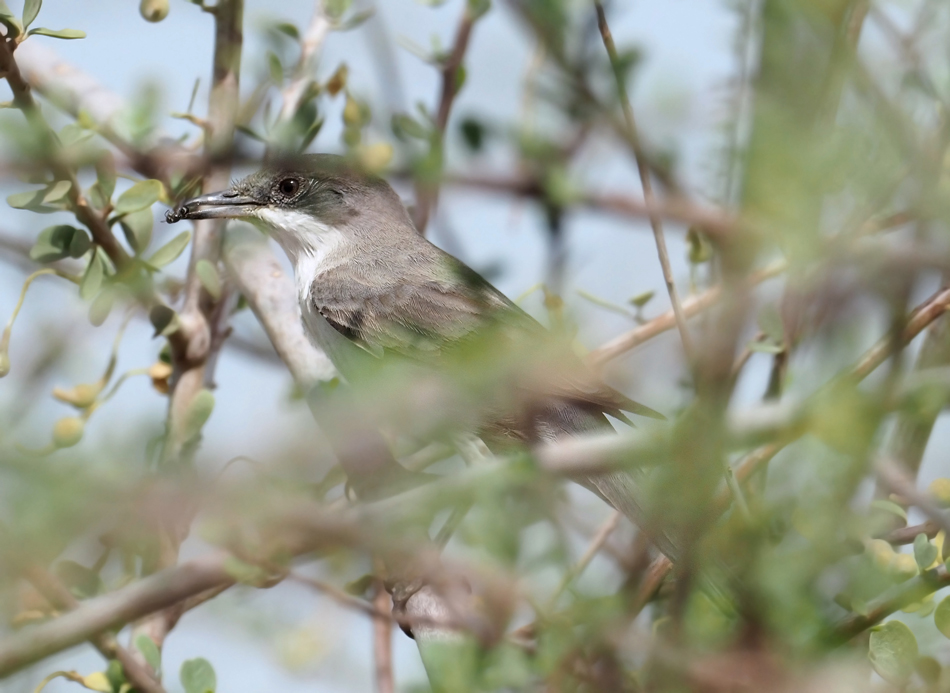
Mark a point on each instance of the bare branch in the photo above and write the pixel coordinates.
(310, 46)
(427, 194)
(644, 170)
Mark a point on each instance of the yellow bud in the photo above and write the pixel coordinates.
(337, 82)
(4, 363)
(154, 10)
(904, 566)
(940, 490)
(881, 553)
(67, 432)
(160, 372)
(375, 157)
(352, 114)
(80, 396)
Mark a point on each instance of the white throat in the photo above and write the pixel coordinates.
(311, 245)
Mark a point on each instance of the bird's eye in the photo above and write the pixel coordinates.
(288, 187)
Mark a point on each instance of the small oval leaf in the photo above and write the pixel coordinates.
(137, 228)
(105, 174)
(150, 651)
(893, 652)
(942, 616)
(925, 553)
(199, 411)
(197, 676)
(91, 278)
(141, 195)
(101, 306)
(169, 252)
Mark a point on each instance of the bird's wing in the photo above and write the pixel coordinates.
(422, 320)
(418, 319)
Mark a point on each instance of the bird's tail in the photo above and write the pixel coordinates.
(621, 489)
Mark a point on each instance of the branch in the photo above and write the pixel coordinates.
(23, 99)
(716, 223)
(310, 46)
(892, 600)
(644, 170)
(270, 293)
(62, 599)
(112, 610)
(203, 320)
(692, 306)
(427, 194)
(383, 642)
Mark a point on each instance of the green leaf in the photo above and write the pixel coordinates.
(31, 200)
(105, 173)
(57, 242)
(57, 33)
(275, 69)
(925, 553)
(890, 507)
(101, 306)
(81, 581)
(335, 9)
(700, 249)
(288, 29)
(57, 191)
(766, 347)
(197, 676)
(473, 132)
(92, 277)
(164, 320)
(199, 411)
(10, 21)
(137, 227)
(405, 126)
(31, 8)
(477, 8)
(139, 196)
(893, 652)
(210, 279)
(942, 616)
(928, 669)
(641, 300)
(355, 20)
(72, 134)
(150, 651)
(170, 251)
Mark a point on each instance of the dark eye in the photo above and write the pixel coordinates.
(288, 187)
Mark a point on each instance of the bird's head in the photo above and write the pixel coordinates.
(304, 201)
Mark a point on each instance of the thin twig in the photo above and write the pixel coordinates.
(644, 170)
(383, 642)
(694, 304)
(427, 194)
(200, 336)
(906, 535)
(310, 46)
(596, 543)
(62, 599)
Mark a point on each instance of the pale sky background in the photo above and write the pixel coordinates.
(679, 96)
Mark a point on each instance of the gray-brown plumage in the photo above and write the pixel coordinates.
(372, 289)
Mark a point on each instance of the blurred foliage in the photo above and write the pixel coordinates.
(794, 567)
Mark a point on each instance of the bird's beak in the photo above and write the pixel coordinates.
(219, 205)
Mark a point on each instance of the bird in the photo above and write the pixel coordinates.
(373, 290)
